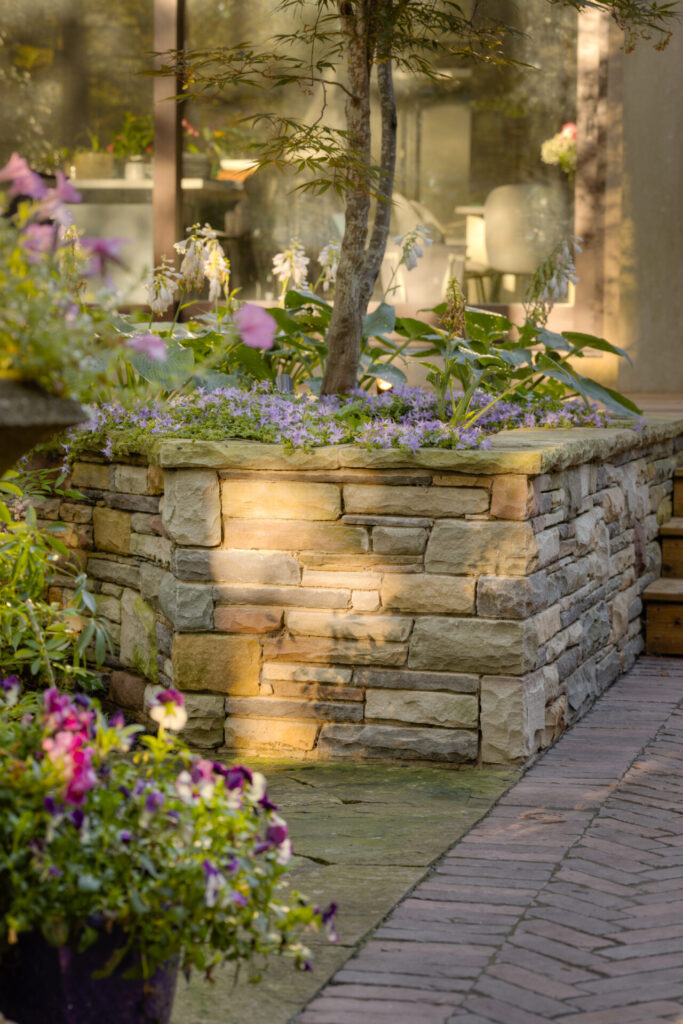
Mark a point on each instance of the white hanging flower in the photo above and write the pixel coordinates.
(411, 244)
(217, 272)
(163, 287)
(328, 258)
(291, 265)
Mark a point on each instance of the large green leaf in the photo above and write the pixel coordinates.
(296, 298)
(408, 327)
(175, 369)
(387, 372)
(253, 362)
(614, 400)
(381, 321)
(581, 340)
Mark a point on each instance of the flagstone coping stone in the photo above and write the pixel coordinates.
(528, 451)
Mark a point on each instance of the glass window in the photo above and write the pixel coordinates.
(469, 160)
(73, 99)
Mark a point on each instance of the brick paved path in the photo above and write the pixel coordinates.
(564, 904)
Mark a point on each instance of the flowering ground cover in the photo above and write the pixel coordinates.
(404, 418)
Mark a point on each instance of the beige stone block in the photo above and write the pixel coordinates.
(513, 497)
(364, 600)
(306, 597)
(586, 530)
(548, 547)
(512, 717)
(328, 650)
(430, 593)
(380, 628)
(555, 720)
(514, 597)
(72, 512)
(293, 535)
(613, 503)
(91, 474)
(340, 742)
(396, 540)
(619, 614)
(272, 707)
(546, 624)
(216, 662)
(461, 480)
(350, 580)
(271, 499)
(433, 502)
(475, 548)
(306, 673)
(109, 607)
(157, 549)
(450, 682)
(138, 635)
(271, 567)
(251, 735)
(191, 512)
(664, 510)
(264, 619)
(472, 645)
(111, 530)
(316, 692)
(455, 711)
(155, 480)
(130, 479)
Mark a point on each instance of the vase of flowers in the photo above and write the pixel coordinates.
(560, 149)
(123, 858)
(133, 144)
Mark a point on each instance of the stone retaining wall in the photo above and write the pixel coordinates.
(346, 603)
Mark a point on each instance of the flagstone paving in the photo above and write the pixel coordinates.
(563, 904)
(364, 835)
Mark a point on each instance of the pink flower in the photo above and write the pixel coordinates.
(569, 130)
(256, 327)
(102, 251)
(38, 239)
(150, 345)
(25, 182)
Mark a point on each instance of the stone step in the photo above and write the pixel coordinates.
(678, 492)
(664, 617)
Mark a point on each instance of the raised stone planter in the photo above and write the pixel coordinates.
(346, 603)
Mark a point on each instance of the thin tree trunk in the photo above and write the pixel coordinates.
(380, 231)
(344, 332)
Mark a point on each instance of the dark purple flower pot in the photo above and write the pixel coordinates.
(40, 984)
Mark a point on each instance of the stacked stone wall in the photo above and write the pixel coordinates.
(343, 603)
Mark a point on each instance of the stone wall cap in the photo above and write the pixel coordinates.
(529, 451)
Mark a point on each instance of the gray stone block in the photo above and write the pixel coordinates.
(402, 743)
(404, 679)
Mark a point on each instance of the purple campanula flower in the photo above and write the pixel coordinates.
(54, 872)
(125, 835)
(50, 805)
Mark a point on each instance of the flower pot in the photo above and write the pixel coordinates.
(29, 415)
(42, 984)
(93, 165)
(196, 165)
(136, 168)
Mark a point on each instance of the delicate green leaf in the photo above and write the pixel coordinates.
(381, 321)
(590, 341)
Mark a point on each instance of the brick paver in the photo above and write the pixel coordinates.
(564, 904)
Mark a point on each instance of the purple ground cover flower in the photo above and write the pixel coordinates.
(405, 419)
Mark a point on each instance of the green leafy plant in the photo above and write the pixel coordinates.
(182, 856)
(135, 137)
(39, 638)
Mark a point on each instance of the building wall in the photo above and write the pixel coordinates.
(650, 319)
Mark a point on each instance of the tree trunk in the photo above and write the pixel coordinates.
(360, 262)
(344, 333)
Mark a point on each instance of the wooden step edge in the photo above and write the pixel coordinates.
(665, 590)
(678, 473)
(672, 528)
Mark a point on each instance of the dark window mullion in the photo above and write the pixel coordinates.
(167, 198)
